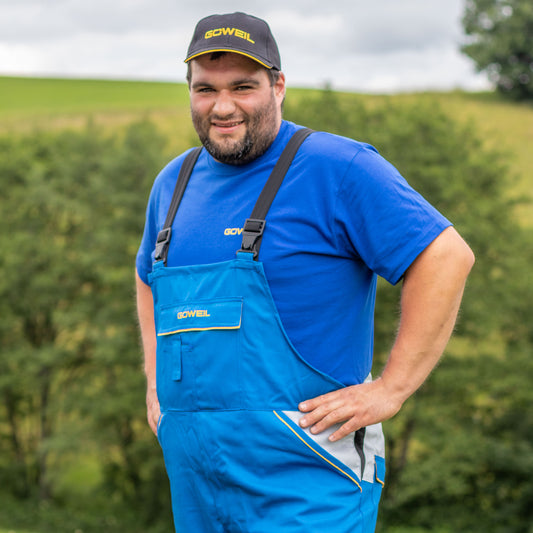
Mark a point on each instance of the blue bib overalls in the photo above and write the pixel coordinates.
(229, 382)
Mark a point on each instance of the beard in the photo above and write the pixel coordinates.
(261, 130)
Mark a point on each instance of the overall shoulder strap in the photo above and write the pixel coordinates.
(163, 237)
(254, 226)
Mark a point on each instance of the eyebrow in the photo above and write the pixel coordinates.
(246, 81)
(236, 83)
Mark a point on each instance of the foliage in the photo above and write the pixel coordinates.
(501, 43)
(28, 516)
(71, 385)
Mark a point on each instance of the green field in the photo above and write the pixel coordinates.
(38, 103)
(40, 97)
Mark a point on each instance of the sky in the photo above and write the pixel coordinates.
(382, 46)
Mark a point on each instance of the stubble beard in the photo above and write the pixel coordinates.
(260, 133)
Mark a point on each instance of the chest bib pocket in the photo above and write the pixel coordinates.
(197, 347)
(200, 315)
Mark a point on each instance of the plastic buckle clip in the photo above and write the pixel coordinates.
(251, 233)
(163, 238)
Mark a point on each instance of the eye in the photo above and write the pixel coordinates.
(203, 89)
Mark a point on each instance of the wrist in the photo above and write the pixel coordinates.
(150, 381)
(398, 389)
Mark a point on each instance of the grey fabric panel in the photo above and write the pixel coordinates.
(344, 449)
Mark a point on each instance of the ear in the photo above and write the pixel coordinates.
(279, 88)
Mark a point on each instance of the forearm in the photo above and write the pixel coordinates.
(432, 291)
(431, 296)
(145, 312)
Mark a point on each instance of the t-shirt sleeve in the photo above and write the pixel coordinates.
(156, 212)
(381, 218)
(144, 258)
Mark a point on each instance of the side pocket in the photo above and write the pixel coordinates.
(319, 451)
(169, 357)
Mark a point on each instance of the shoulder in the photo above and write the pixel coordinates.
(345, 160)
(322, 148)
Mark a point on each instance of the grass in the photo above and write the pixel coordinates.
(24, 96)
(41, 103)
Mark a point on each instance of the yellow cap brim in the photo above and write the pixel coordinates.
(228, 50)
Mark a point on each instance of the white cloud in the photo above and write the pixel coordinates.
(381, 46)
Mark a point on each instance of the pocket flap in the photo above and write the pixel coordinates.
(200, 315)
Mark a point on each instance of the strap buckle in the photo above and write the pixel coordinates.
(161, 245)
(251, 235)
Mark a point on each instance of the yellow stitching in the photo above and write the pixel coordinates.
(197, 329)
(379, 480)
(319, 454)
(228, 50)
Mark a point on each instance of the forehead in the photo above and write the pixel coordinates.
(225, 66)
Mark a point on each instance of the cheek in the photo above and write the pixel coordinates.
(200, 106)
(252, 107)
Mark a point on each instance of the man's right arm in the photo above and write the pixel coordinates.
(145, 311)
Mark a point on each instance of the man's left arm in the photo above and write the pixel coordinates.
(431, 295)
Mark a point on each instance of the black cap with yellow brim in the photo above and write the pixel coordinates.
(238, 33)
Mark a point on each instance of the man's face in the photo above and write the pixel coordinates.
(235, 110)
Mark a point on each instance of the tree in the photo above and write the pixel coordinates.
(71, 384)
(44, 219)
(501, 43)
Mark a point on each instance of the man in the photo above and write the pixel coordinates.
(264, 405)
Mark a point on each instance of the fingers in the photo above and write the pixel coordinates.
(153, 412)
(345, 430)
(328, 410)
(153, 419)
(323, 412)
(354, 407)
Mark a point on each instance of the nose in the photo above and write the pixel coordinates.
(224, 105)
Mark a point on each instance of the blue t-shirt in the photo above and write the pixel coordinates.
(342, 216)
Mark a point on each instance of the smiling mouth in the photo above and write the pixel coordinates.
(226, 126)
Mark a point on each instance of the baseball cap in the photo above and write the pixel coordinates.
(235, 32)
